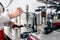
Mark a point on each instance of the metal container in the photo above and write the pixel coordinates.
(39, 18)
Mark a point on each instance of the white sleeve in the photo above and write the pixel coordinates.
(4, 17)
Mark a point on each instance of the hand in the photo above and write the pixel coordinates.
(16, 12)
(14, 25)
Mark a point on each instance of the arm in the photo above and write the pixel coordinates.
(5, 17)
(15, 13)
(10, 23)
(15, 26)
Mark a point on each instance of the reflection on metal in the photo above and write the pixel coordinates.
(41, 0)
(47, 0)
(1, 8)
(27, 14)
(54, 2)
(9, 3)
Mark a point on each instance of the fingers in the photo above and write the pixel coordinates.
(19, 9)
(16, 13)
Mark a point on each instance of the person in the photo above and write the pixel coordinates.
(5, 17)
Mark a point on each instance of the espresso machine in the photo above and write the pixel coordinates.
(41, 15)
(31, 24)
(54, 4)
(41, 20)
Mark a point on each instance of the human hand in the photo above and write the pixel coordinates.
(16, 12)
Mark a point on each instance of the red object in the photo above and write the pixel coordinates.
(1, 34)
(56, 24)
(32, 37)
(29, 38)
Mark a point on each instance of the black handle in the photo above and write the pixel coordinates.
(17, 26)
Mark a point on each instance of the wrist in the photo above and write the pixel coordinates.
(11, 15)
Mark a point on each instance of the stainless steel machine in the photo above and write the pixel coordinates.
(43, 18)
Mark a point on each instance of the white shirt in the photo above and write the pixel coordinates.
(4, 17)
